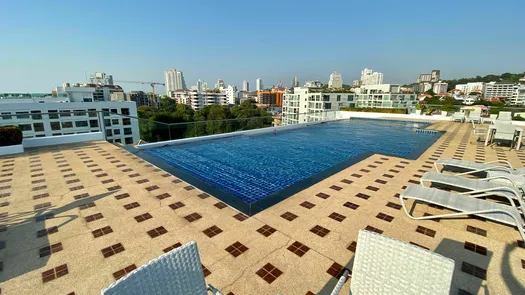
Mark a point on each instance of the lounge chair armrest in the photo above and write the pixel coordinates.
(506, 178)
(214, 290)
(486, 192)
(501, 161)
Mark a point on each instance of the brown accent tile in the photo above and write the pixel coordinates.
(86, 206)
(134, 175)
(372, 166)
(405, 162)
(166, 175)
(152, 188)
(393, 205)
(236, 249)
(203, 196)
(352, 247)
(381, 181)
(307, 205)
(159, 231)
(122, 196)
(336, 270)
(269, 273)
(48, 250)
(414, 181)
(363, 196)
(323, 196)
(474, 270)
(193, 216)
(393, 170)
(120, 273)
(131, 205)
(69, 175)
(54, 273)
(374, 229)
(35, 175)
(212, 231)
(42, 206)
(40, 196)
(385, 159)
(142, 181)
(475, 248)
(388, 175)
(72, 181)
(143, 217)
(101, 175)
(114, 188)
(34, 181)
(205, 271)
(240, 216)
(266, 230)
(336, 188)
(176, 205)
(320, 231)
(298, 249)
(5, 195)
(174, 246)
(477, 230)
(189, 188)
(76, 188)
(337, 217)
(112, 250)
(93, 217)
(426, 231)
(127, 170)
(102, 231)
(415, 244)
(289, 216)
(364, 170)
(351, 205)
(372, 188)
(347, 181)
(163, 196)
(39, 188)
(97, 170)
(356, 175)
(385, 217)
(220, 205)
(176, 181)
(81, 196)
(64, 170)
(44, 217)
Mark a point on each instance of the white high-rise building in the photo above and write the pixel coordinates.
(101, 79)
(245, 86)
(295, 82)
(336, 81)
(219, 84)
(200, 85)
(199, 99)
(499, 89)
(230, 92)
(258, 85)
(368, 77)
(174, 80)
(440, 87)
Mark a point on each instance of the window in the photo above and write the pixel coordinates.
(118, 140)
(93, 123)
(80, 113)
(114, 111)
(124, 111)
(114, 122)
(107, 122)
(92, 112)
(126, 121)
(87, 99)
(106, 112)
(350, 98)
(39, 127)
(328, 105)
(326, 97)
(40, 135)
(67, 124)
(53, 116)
(6, 115)
(339, 98)
(108, 132)
(81, 124)
(128, 140)
(55, 126)
(25, 127)
(56, 134)
(127, 131)
(36, 117)
(64, 113)
(22, 116)
(116, 131)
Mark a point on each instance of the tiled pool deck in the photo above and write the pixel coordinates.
(76, 217)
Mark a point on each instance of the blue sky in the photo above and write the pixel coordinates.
(46, 43)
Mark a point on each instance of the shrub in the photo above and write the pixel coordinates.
(377, 110)
(448, 108)
(10, 135)
(518, 118)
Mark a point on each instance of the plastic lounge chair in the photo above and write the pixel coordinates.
(474, 117)
(465, 205)
(505, 133)
(491, 119)
(505, 116)
(473, 167)
(176, 272)
(383, 265)
(478, 187)
(481, 131)
(458, 116)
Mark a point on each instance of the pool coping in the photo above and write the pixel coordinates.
(251, 209)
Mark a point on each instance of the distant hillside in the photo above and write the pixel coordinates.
(506, 77)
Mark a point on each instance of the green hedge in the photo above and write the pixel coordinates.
(377, 110)
(10, 135)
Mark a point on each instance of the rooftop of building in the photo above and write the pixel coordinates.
(88, 211)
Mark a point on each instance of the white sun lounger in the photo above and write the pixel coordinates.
(458, 116)
(474, 167)
(479, 187)
(385, 266)
(465, 205)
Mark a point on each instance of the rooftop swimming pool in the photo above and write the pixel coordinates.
(253, 172)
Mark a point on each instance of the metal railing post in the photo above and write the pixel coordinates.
(100, 115)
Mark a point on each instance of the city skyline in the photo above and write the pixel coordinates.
(68, 53)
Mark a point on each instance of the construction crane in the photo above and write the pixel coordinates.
(152, 84)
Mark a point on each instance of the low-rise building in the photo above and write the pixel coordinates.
(57, 115)
(142, 98)
(383, 96)
(499, 89)
(518, 98)
(478, 87)
(440, 87)
(199, 99)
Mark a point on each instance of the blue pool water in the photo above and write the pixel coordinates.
(253, 167)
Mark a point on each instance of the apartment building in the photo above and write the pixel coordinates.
(199, 99)
(471, 87)
(383, 96)
(142, 98)
(308, 104)
(369, 77)
(499, 89)
(35, 115)
(336, 81)
(271, 98)
(230, 92)
(518, 98)
(440, 87)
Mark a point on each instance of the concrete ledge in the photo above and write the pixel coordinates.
(11, 149)
(62, 139)
(223, 135)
